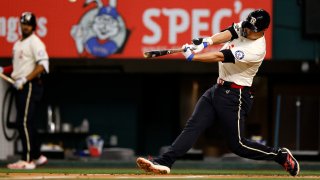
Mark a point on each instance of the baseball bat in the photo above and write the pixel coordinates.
(156, 53)
(8, 79)
(163, 52)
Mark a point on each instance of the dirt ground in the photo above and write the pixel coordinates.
(133, 176)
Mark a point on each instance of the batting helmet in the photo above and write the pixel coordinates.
(257, 20)
(29, 19)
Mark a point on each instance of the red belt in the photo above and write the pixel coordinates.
(233, 85)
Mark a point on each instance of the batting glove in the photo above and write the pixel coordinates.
(1, 69)
(18, 84)
(201, 43)
(187, 51)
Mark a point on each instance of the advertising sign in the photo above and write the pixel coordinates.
(122, 28)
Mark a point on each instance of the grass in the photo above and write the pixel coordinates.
(187, 169)
(70, 170)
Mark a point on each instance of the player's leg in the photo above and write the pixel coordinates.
(232, 114)
(233, 106)
(22, 103)
(34, 102)
(201, 118)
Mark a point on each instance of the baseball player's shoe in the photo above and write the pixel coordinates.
(21, 165)
(151, 166)
(291, 164)
(42, 160)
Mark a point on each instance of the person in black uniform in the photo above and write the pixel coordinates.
(30, 61)
(229, 100)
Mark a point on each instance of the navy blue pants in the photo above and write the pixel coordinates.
(228, 106)
(27, 101)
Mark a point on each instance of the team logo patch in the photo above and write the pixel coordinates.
(239, 55)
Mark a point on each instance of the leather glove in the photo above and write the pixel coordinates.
(201, 43)
(187, 51)
(18, 84)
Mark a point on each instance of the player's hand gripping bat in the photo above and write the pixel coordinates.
(163, 52)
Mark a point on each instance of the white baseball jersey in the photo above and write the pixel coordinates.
(248, 54)
(26, 54)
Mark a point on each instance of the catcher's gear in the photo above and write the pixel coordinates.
(28, 18)
(257, 20)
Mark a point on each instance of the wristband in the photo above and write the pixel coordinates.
(190, 57)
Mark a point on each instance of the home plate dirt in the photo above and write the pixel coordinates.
(135, 176)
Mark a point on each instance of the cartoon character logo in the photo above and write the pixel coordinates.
(101, 31)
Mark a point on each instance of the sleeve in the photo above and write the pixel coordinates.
(40, 53)
(246, 54)
(39, 50)
(228, 56)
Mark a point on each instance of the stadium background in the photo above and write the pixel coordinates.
(146, 102)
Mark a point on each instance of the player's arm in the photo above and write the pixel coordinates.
(41, 67)
(221, 37)
(218, 38)
(225, 55)
(42, 60)
(209, 57)
(37, 71)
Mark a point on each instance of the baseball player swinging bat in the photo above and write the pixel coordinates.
(8, 79)
(163, 52)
